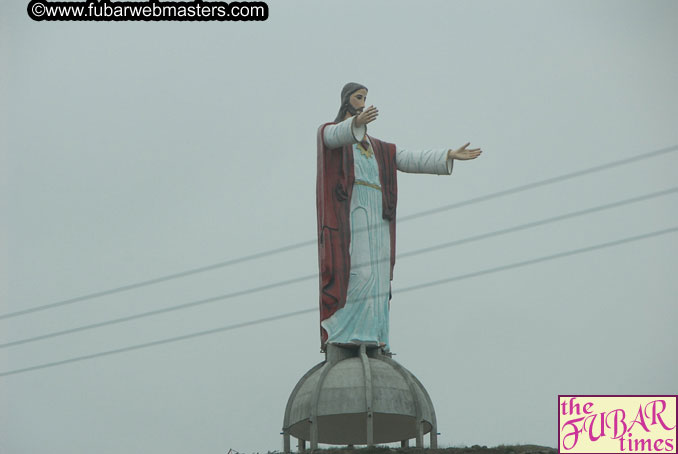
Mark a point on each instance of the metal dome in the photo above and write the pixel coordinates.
(358, 397)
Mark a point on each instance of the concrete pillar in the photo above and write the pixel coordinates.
(286, 442)
(286, 419)
(314, 404)
(434, 437)
(368, 395)
(314, 434)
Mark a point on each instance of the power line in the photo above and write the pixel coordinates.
(290, 247)
(305, 311)
(162, 341)
(540, 259)
(165, 310)
(315, 275)
(541, 222)
(567, 176)
(158, 279)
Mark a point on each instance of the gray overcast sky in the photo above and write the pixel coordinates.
(135, 150)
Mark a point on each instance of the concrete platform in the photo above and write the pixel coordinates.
(358, 396)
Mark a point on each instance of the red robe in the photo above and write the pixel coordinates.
(333, 200)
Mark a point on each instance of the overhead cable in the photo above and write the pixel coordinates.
(295, 280)
(494, 195)
(309, 310)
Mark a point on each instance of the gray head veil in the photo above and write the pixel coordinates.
(346, 106)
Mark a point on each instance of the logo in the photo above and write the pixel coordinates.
(617, 424)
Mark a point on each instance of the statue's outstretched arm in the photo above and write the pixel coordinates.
(438, 161)
(433, 161)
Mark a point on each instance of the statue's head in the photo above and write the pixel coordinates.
(353, 97)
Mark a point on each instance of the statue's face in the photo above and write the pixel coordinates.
(357, 99)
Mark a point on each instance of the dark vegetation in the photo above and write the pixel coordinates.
(475, 449)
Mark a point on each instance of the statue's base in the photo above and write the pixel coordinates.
(358, 396)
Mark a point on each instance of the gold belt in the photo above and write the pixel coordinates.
(369, 185)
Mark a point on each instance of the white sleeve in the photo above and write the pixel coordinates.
(434, 161)
(344, 133)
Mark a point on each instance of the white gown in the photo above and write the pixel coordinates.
(364, 318)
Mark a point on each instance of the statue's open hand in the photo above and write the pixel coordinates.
(463, 153)
(367, 116)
